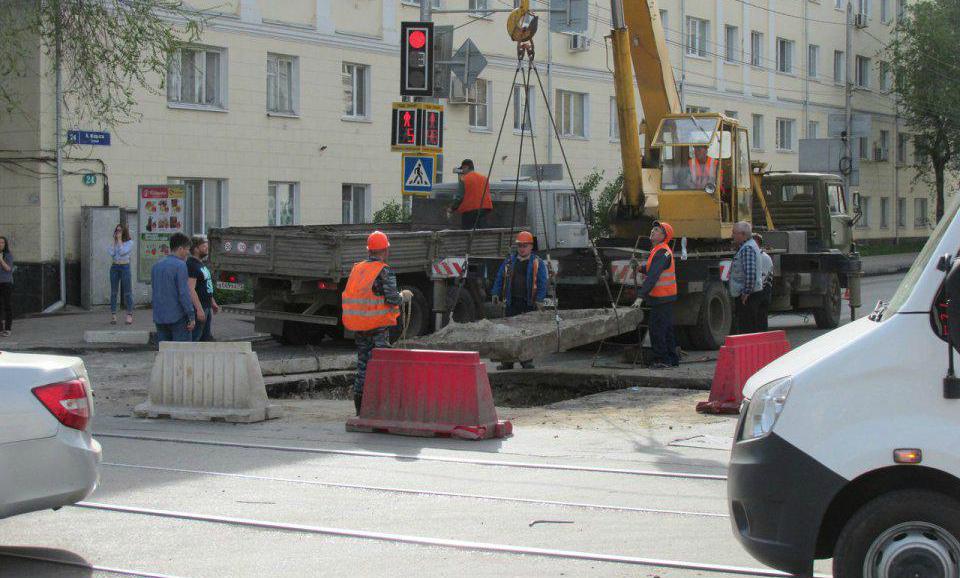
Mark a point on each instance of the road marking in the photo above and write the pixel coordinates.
(439, 542)
(77, 564)
(421, 492)
(414, 457)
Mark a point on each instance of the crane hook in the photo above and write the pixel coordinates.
(522, 23)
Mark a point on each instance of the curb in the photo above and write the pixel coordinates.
(891, 270)
(81, 348)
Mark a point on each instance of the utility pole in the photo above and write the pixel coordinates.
(426, 10)
(848, 103)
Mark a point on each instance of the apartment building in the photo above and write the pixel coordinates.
(280, 114)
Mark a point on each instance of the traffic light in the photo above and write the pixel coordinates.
(416, 59)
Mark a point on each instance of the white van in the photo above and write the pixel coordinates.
(849, 446)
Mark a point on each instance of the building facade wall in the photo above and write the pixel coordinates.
(320, 148)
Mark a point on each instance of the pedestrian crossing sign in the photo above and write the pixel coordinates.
(418, 173)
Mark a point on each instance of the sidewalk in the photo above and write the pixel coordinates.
(64, 331)
(877, 265)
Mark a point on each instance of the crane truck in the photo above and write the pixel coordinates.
(298, 271)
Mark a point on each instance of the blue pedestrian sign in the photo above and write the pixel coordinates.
(88, 137)
(418, 173)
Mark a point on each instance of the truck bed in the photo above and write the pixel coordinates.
(330, 251)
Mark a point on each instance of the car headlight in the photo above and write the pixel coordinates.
(765, 407)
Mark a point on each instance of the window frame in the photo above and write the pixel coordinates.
(696, 44)
(901, 212)
(758, 140)
(839, 67)
(364, 99)
(884, 212)
(731, 50)
(813, 61)
(294, 85)
(294, 191)
(862, 69)
(221, 192)
(364, 189)
(614, 132)
(791, 123)
(487, 106)
(572, 98)
(864, 222)
(518, 110)
(815, 124)
(921, 213)
(785, 49)
(175, 79)
(756, 49)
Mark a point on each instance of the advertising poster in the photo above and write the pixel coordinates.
(161, 215)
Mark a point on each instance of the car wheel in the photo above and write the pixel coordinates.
(828, 316)
(901, 534)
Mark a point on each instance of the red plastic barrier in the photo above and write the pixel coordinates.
(740, 357)
(428, 393)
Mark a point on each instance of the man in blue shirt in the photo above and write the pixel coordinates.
(173, 311)
(521, 284)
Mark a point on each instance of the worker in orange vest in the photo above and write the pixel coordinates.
(473, 200)
(521, 284)
(659, 291)
(371, 305)
(703, 169)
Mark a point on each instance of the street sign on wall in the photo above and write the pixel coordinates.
(88, 137)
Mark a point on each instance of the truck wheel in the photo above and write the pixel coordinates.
(828, 316)
(713, 319)
(419, 316)
(465, 310)
(903, 533)
(297, 333)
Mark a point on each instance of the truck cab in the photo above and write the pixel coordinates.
(846, 446)
(810, 202)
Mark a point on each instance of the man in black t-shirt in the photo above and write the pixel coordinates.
(201, 288)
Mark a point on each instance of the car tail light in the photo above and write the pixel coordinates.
(326, 286)
(67, 401)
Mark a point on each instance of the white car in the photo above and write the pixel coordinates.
(48, 459)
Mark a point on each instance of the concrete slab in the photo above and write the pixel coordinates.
(117, 336)
(308, 364)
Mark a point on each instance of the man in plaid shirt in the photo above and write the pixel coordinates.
(746, 286)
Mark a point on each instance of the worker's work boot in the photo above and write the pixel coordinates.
(527, 364)
(357, 401)
(505, 365)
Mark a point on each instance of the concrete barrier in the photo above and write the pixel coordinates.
(207, 381)
(131, 337)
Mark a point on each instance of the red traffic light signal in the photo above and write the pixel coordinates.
(416, 59)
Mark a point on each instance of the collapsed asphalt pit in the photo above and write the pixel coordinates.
(518, 388)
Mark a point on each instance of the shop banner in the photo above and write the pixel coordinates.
(161, 215)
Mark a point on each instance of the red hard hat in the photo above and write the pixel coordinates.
(377, 241)
(667, 230)
(524, 237)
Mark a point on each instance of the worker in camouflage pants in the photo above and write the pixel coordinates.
(371, 305)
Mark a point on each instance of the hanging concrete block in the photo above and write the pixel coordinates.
(207, 381)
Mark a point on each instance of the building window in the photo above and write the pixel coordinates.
(785, 134)
(697, 36)
(282, 84)
(918, 156)
(864, 221)
(863, 72)
(884, 212)
(572, 113)
(756, 49)
(195, 76)
(885, 11)
(757, 131)
(356, 80)
(813, 61)
(520, 123)
(883, 146)
(838, 67)
(813, 129)
(901, 9)
(785, 55)
(839, 4)
(436, 3)
(902, 140)
(205, 204)
(885, 77)
(731, 114)
(920, 217)
(864, 7)
(691, 109)
(614, 120)
(731, 51)
(355, 203)
(665, 21)
(478, 5)
(283, 204)
(864, 145)
(901, 213)
(479, 94)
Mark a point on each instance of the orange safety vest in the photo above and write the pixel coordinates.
(362, 309)
(667, 283)
(699, 171)
(476, 193)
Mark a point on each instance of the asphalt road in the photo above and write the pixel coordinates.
(289, 498)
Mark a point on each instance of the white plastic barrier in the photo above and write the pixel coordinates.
(207, 381)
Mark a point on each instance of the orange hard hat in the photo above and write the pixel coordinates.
(667, 230)
(524, 237)
(377, 241)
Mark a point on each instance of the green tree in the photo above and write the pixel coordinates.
(601, 198)
(392, 212)
(107, 50)
(926, 76)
